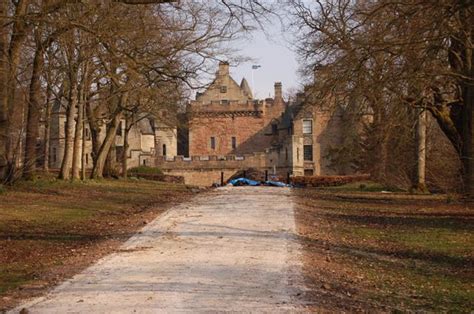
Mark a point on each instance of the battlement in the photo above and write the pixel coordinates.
(231, 105)
(254, 160)
(235, 108)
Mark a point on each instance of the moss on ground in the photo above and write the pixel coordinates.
(413, 254)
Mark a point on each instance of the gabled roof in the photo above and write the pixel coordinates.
(58, 107)
(244, 85)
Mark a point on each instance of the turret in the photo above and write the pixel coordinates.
(244, 85)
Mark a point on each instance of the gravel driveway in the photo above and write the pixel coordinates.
(229, 250)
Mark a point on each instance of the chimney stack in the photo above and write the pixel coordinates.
(300, 98)
(278, 91)
(223, 68)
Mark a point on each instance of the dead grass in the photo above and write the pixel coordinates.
(387, 253)
(52, 229)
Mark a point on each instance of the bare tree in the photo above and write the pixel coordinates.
(171, 42)
(393, 54)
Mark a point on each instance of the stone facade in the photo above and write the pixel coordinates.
(314, 132)
(226, 120)
(230, 131)
(146, 139)
(225, 130)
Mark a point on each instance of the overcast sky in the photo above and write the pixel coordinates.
(272, 51)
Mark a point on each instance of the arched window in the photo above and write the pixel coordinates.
(164, 149)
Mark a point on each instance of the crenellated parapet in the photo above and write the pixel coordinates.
(258, 160)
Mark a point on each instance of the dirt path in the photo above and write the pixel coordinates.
(231, 250)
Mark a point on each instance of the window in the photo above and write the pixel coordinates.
(213, 142)
(118, 153)
(286, 153)
(298, 154)
(307, 126)
(224, 102)
(308, 152)
(274, 129)
(223, 89)
(119, 129)
(234, 142)
(144, 162)
(164, 149)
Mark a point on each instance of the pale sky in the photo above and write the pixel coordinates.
(278, 62)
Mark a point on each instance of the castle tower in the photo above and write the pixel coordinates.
(244, 85)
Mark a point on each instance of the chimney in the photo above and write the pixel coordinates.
(223, 68)
(300, 98)
(278, 90)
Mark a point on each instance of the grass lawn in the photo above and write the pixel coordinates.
(387, 252)
(52, 229)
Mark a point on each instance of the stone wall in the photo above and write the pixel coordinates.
(203, 177)
(326, 134)
(206, 170)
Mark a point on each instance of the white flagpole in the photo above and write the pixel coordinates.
(254, 67)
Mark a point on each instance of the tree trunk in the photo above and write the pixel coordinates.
(65, 172)
(468, 140)
(32, 123)
(378, 145)
(77, 152)
(98, 171)
(14, 49)
(125, 148)
(83, 157)
(110, 163)
(95, 132)
(420, 182)
(47, 130)
(3, 82)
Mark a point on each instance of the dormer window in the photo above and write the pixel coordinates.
(274, 129)
(223, 89)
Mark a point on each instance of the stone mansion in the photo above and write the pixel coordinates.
(229, 130)
(226, 130)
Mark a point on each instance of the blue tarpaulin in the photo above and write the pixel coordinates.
(276, 183)
(243, 181)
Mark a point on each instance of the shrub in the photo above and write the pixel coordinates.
(145, 170)
(321, 181)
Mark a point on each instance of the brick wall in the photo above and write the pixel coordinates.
(250, 124)
(247, 130)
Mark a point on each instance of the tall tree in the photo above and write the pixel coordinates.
(428, 51)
